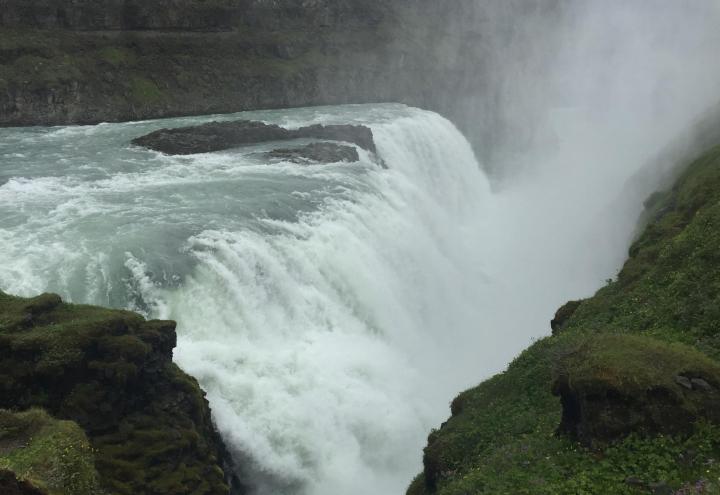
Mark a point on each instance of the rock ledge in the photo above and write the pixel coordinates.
(218, 136)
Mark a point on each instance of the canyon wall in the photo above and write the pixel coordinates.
(81, 61)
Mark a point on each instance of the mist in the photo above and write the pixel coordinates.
(626, 81)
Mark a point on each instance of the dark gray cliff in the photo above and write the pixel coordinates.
(84, 61)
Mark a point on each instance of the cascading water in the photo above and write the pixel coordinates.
(330, 311)
(322, 307)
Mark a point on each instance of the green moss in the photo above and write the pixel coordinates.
(555, 466)
(111, 372)
(613, 385)
(144, 91)
(53, 455)
(633, 363)
(660, 319)
(117, 56)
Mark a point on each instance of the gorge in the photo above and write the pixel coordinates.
(429, 185)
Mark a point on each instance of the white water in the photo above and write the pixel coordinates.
(321, 360)
(330, 311)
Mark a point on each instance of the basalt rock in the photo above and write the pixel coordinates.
(317, 152)
(357, 134)
(217, 136)
(112, 373)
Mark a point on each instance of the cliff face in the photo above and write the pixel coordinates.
(623, 398)
(185, 15)
(82, 61)
(111, 372)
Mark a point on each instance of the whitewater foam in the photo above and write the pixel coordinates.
(330, 311)
(318, 306)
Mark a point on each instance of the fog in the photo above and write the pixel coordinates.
(622, 85)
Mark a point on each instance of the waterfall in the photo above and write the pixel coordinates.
(319, 306)
(330, 311)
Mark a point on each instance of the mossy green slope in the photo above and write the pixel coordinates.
(54, 456)
(111, 372)
(628, 348)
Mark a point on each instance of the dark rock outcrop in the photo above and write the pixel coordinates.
(613, 385)
(317, 152)
(357, 134)
(217, 136)
(562, 315)
(112, 373)
(10, 485)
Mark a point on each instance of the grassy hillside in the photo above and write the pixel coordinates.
(624, 397)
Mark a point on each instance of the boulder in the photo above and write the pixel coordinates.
(614, 385)
(356, 134)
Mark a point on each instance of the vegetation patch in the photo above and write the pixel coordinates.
(111, 372)
(614, 385)
(144, 91)
(54, 456)
(117, 56)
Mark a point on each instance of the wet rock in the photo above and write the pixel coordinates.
(660, 488)
(356, 134)
(317, 152)
(213, 136)
(700, 384)
(683, 381)
(217, 136)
